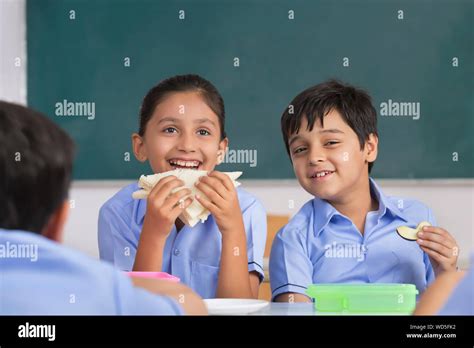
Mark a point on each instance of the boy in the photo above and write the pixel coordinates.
(347, 233)
(38, 275)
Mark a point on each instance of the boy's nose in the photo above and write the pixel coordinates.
(316, 157)
(314, 162)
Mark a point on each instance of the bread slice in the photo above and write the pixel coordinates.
(195, 212)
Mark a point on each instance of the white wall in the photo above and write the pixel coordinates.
(452, 202)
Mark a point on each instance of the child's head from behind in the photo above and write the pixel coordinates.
(36, 158)
(182, 123)
(330, 133)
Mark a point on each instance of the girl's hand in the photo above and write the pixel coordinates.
(440, 246)
(164, 207)
(223, 201)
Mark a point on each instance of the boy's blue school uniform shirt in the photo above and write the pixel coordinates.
(192, 254)
(41, 277)
(461, 300)
(320, 245)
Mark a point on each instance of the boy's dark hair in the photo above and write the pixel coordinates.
(183, 83)
(36, 159)
(354, 105)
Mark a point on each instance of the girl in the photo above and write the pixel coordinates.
(182, 125)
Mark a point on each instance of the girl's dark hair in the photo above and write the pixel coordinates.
(182, 83)
(354, 105)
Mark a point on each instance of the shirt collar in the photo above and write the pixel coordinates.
(385, 203)
(325, 211)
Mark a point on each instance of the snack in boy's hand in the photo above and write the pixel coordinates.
(195, 212)
(409, 233)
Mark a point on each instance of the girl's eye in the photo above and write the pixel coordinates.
(170, 130)
(298, 150)
(203, 132)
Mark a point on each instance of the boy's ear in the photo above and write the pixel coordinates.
(55, 226)
(371, 148)
(223, 147)
(138, 146)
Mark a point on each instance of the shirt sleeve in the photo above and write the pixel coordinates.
(290, 267)
(133, 300)
(461, 299)
(255, 222)
(116, 244)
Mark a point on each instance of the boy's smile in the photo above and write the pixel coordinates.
(320, 175)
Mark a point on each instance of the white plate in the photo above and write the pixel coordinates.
(232, 306)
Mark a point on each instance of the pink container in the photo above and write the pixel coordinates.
(154, 275)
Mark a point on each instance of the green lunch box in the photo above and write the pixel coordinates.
(364, 298)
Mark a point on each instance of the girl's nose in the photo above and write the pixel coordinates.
(186, 143)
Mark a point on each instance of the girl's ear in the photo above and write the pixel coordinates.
(371, 148)
(223, 147)
(139, 149)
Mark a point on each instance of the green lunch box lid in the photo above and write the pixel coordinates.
(360, 298)
(343, 289)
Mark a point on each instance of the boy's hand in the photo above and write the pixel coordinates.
(164, 207)
(223, 202)
(440, 246)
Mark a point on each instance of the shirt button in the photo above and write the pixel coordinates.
(176, 252)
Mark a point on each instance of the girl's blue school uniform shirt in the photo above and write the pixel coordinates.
(41, 277)
(192, 254)
(320, 245)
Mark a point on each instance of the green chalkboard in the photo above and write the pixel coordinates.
(400, 51)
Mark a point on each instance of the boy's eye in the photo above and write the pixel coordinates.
(203, 132)
(329, 143)
(170, 130)
(299, 150)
